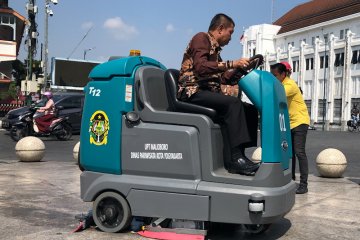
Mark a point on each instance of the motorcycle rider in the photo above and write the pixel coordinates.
(43, 122)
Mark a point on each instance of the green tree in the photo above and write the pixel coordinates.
(19, 71)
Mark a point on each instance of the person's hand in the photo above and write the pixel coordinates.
(241, 63)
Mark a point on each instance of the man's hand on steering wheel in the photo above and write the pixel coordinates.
(246, 65)
(241, 63)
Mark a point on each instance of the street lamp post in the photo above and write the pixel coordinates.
(87, 50)
(48, 12)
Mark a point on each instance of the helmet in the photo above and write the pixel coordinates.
(48, 94)
(287, 65)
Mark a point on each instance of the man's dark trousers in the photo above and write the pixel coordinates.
(240, 119)
(298, 137)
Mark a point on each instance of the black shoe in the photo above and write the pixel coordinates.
(241, 166)
(302, 189)
(237, 156)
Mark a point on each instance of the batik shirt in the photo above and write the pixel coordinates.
(202, 67)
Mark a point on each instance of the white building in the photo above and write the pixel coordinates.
(321, 40)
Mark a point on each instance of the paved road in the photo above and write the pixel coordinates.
(39, 200)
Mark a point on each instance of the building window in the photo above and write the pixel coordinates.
(321, 62)
(355, 101)
(343, 33)
(321, 110)
(326, 61)
(354, 59)
(321, 88)
(307, 91)
(338, 87)
(339, 59)
(295, 67)
(356, 85)
(309, 63)
(337, 111)
(326, 36)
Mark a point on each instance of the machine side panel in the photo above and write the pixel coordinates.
(229, 203)
(101, 124)
(93, 184)
(161, 150)
(169, 205)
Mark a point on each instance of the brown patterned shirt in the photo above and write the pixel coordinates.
(203, 69)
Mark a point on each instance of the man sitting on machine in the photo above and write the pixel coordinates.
(201, 75)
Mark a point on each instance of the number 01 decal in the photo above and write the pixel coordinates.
(282, 122)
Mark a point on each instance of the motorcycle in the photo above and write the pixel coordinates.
(26, 126)
(353, 125)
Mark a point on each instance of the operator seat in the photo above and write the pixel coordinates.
(171, 84)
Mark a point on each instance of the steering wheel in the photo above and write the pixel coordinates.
(255, 62)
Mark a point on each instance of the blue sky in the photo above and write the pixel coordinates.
(161, 29)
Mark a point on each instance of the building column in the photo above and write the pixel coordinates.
(244, 45)
(289, 53)
(346, 100)
(301, 65)
(315, 87)
(330, 82)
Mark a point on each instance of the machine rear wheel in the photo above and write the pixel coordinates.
(111, 212)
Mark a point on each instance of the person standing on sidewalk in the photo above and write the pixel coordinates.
(299, 123)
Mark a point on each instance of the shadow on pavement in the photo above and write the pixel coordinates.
(221, 231)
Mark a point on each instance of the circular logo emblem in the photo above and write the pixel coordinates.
(99, 128)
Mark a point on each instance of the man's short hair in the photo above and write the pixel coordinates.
(221, 19)
(279, 67)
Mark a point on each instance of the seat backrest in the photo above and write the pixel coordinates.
(153, 87)
(171, 83)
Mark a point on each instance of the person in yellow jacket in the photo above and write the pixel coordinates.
(299, 122)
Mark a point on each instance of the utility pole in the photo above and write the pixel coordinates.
(31, 42)
(32, 34)
(48, 12)
(46, 43)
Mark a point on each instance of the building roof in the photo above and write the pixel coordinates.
(316, 11)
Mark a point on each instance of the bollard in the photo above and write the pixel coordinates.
(331, 163)
(256, 156)
(76, 151)
(30, 149)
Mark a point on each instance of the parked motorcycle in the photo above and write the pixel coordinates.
(60, 127)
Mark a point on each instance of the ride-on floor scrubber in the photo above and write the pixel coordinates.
(144, 153)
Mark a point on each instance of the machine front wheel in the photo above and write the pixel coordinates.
(111, 212)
